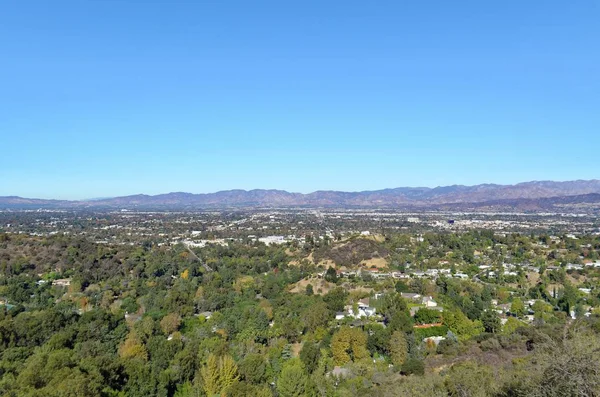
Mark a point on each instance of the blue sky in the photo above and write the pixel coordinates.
(105, 98)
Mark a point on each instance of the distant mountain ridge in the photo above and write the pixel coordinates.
(534, 195)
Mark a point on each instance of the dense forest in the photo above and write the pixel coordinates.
(86, 319)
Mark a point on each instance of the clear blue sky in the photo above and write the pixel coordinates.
(114, 97)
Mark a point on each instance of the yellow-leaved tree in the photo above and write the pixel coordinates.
(349, 344)
(133, 347)
(218, 375)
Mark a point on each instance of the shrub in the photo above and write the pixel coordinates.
(413, 366)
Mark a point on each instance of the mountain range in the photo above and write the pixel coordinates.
(533, 196)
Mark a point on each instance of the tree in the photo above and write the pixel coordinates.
(309, 289)
(398, 348)
(400, 321)
(349, 344)
(491, 321)
(253, 368)
(568, 297)
(460, 325)
(170, 323)
(336, 299)
(293, 380)
(401, 286)
(316, 315)
(378, 340)
(427, 316)
(133, 348)
(517, 307)
(331, 275)
(542, 311)
(511, 325)
(243, 389)
(218, 374)
(391, 304)
(310, 355)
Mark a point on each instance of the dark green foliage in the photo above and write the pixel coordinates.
(310, 355)
(401, 286)
(427, 316)
(331, 275)
(336, 299)
(309, 290)
(253, 368)
(413, 366)
(378, 339)
(491, 321)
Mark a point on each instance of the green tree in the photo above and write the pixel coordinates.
(517, 307)
(310, 355)
(460, 325)
(253, 368)
(542, 310)
(336, 299)
(133, 347)
(568, 297)
(309, 290)
(331, 275)
(427, 316)
(511, 325)
(401, 286)
(293, 380)
(316, 315)
(491, 321)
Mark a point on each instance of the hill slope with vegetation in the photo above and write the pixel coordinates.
(86, 319)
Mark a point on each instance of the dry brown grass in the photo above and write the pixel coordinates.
(379, 263)
(320, 286)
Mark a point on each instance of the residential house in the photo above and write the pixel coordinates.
(429, 302)
(362, 310)
(410, 295)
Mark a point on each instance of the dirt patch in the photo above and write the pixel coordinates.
(296, 347)
(533, 278)
(379, 263)
(320, 286)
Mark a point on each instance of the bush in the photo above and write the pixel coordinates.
(413, 366)
(448, 347)
(491, 344)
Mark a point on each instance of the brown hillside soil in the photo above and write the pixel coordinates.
(317, 283)
(379, 263)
